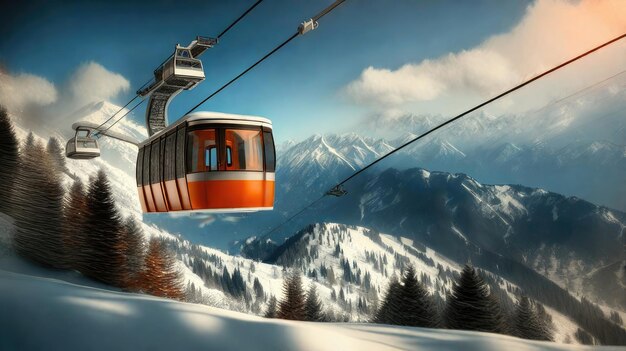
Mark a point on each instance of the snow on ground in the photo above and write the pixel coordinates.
(44, 313)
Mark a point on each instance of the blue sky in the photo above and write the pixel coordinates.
(300, 88)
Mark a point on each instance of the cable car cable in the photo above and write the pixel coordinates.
(230, 26)
(113, 115)
(239, 18)
(242, 73)
(102, 132)
(304, 27)
(338, 191)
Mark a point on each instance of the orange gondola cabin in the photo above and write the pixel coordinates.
(208, 161)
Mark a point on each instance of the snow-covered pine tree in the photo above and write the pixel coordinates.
(57, 155)
(527, 323)
(39, 208)
(501, 315)
(134, 249)
(9, 162)
(74, 215)
(469, 306)
(161, 277)
(271, 308)
(105, 259)
(418, 309)
(390, 308)
(292, 305)
(313, 306)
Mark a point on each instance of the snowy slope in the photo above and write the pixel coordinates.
(96, 319)
(356, 245)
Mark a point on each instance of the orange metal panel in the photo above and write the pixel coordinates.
(268, 201)
(184, 193)
(159, 198)
(171, 192)
(149, 198)
(216, 194)
(142, 199)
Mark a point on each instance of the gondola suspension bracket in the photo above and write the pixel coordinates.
(337, 191)
(307, 26)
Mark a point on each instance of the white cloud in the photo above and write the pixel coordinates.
(21, 91)
(550, 32)
(92, 82)
(39, 104)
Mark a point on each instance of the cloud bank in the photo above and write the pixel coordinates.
(550, 32)
(92, 82)
(39, 102)
(24, 90)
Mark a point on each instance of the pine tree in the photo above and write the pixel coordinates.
(104, 254)
(160, 276)
(258, 289)
(292, 305)
(545, 322)
(74, 215)
(271, 308)
(390, 309)
(134, 251)
(500, 316)
(313, 306)
(527, 323)
(418, 309)
(39, 209)
(9, 162)
(470, 306)
(57, 155)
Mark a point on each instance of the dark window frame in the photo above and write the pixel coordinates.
(181, 151)
(265, 149)
(169, 157)
(139, 167)
(146, 165)
(155, 167)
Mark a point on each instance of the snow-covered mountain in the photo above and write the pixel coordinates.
(574, 146)
(563, 238)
